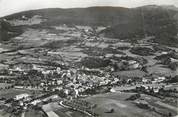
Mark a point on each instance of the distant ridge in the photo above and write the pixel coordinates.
(170, 7)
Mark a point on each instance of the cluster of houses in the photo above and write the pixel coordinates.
(71, 81)
(153, 89)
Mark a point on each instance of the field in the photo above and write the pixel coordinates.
(123, 108)
(35, 113)
(64, 44)
(55, 110)
(11, 93)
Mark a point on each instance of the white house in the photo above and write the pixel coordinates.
(35, 102)
(21, 96)
(112, 90)
(160, 79)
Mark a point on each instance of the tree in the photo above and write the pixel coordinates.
(170, 114)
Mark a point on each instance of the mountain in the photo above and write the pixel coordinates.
(170, 7)
(84, 16)
(158, 21)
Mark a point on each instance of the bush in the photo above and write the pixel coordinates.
(143, 51)
(173, 80)
(92, 62)
(173, 66)
(134, 97)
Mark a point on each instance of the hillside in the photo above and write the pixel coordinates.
(84, 16)
(148, 21)
(8, 31)
(151, 20)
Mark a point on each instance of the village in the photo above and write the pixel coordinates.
(56, 84)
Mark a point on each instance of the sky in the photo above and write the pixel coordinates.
(8, 7)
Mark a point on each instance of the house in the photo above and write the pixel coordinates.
(59, 82)
(146, 87)
(164, 52)
(144, 80)
(66, 91)
(58, 70)
(58, 88)
(109, 55)
(112, 90)
(21, 96)
(76, 93)
(18, 87)
(35, 102)
(133, 64)
(81, 89)
(18, 69)
(156, 90)
(46, 72)
(160, 79)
